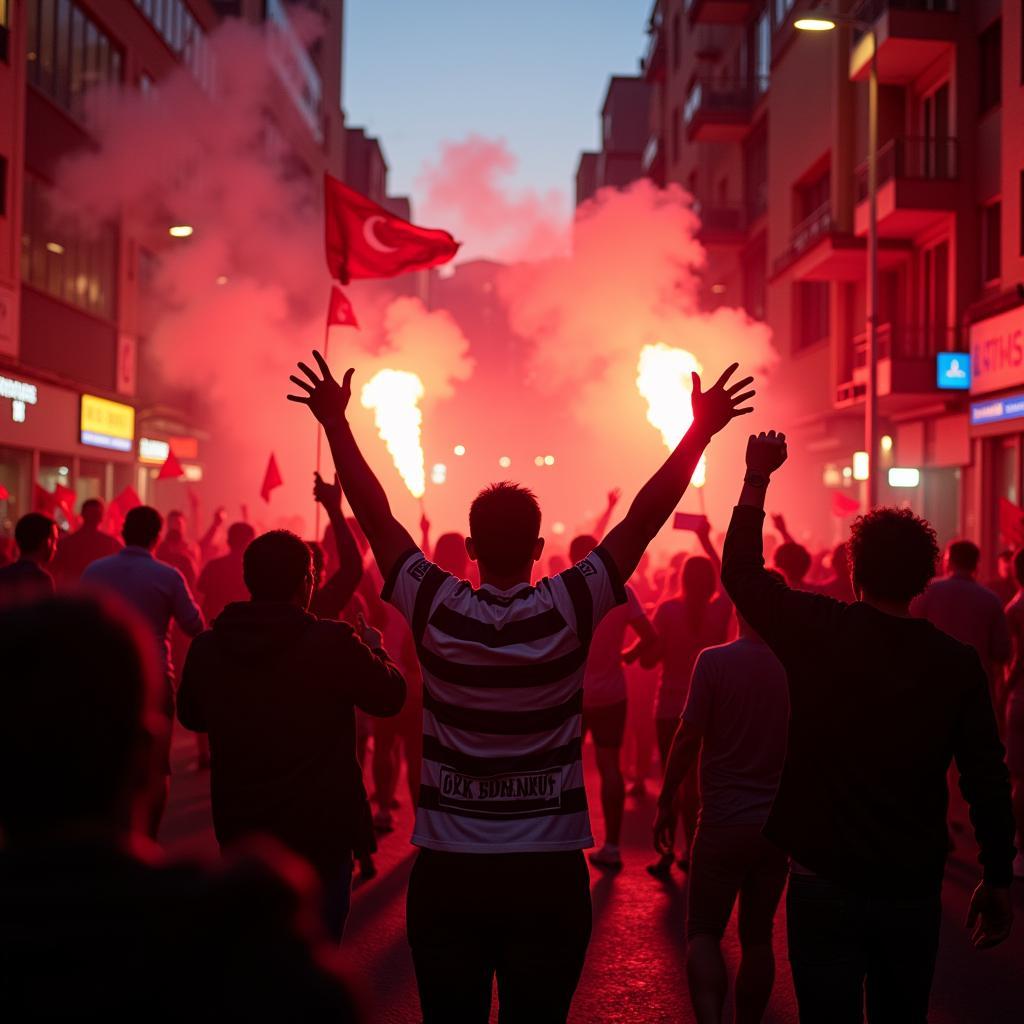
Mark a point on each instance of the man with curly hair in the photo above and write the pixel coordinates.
(880, 704)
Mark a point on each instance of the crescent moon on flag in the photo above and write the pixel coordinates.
(371, 236)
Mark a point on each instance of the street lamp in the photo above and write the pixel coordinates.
(826, 22)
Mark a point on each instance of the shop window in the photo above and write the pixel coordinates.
(811, 313)
(63, 259)
(67, 53)
(55, 472)
(15, 471)
(990, 67)
(991, 241)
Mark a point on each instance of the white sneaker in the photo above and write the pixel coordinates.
(1018, 866)
(383, 822)
(608, 856)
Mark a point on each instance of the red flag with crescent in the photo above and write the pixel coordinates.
(339, 309)
(364, 240)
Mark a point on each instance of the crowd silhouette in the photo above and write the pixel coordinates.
(811, 718)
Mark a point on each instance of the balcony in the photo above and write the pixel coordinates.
(653, 161)
(718, 12)
(911, 35)
(721, 224)
(917, 187)
(720, 110)
(906, 363)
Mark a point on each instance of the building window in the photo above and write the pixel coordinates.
(63, 259)
(990, 76)
(991, 241)
(675, 40)
(179, 29)
(762, 52)
(811, 310)
(67, 53)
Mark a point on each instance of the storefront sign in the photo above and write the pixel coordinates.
(185, 447)
(106, 424)
(996, 410)
(997, 352)
(953, 371)
(153, 451)
(21, 393)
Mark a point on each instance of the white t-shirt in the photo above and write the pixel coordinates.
(605, 680)
(502, 704)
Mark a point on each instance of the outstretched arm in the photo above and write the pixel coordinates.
(338, 590)
(328, 400)
(657, 499)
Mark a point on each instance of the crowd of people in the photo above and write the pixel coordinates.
(810, 716)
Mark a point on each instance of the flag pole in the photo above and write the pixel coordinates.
(320, 431)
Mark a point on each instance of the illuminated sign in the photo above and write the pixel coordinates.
(185, 447)
(997, 352)
(21, 394)
(996, 410)
(904, 476)
(107, 424)
(953, 371)
(153, 451)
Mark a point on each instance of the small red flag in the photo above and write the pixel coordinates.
(271, 479)
(64, 499)
(843, 505)
(171, 469)
(339, 309)
(362, 239)
(1011, 523)
(4, 493)
(125, 501)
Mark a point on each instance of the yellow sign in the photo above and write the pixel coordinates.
(107, 424)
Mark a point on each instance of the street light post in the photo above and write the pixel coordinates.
(824, 23)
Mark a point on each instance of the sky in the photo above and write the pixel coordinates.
(532, 72)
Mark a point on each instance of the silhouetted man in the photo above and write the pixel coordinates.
(157, 591)
(276, 690)
(88, 543)
(960, 606)
(93, 924)
(221, 582)
(27, 578)
(735, 721)
(880, 704)
(500, 886)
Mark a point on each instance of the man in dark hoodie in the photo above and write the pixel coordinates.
(880, 704)
(276, 690)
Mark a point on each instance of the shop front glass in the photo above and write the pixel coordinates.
(55, 473)
(15, 493)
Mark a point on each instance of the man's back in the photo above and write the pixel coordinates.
(93, 931)
(24, 580)
(970, 613)
(502, 704)
(221, 583)
(276, 689)
(740, 702)
(79, 550)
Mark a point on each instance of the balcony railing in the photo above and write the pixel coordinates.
(870, 11)
(805, 235)
(900, 342)
(911, 158)
(729, 97)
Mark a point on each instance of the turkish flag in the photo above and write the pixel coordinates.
(171, 469)
(271, 479)
(339, 309)
(1011, 523)
(363, 239)
(843, 506)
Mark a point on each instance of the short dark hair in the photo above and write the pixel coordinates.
(964, 555)
(240, 535)
(70, 722)
(275, 565)
(581, 546)
(1018, 566)
(142, 526)
(794, 560)
(504, 522)
(33, 531)
(893, 553)
(92, 507)
(698, 577)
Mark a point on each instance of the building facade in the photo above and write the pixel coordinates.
(745, 107)
(76, 415)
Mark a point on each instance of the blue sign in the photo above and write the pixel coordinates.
(995, 410)
(953, 371)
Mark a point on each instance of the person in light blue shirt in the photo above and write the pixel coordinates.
(156, 591)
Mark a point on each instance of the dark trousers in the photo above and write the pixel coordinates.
(522, 917)
(849, 948)
(337, 900)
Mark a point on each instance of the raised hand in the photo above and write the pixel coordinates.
(613, 497)
(778, 519)
(327, 399)
(716, 408)
(373, 638)
(766, 452)
(328, 495)
(989, 916)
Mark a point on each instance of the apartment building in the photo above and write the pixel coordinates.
(78, 409)
(767, 127)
